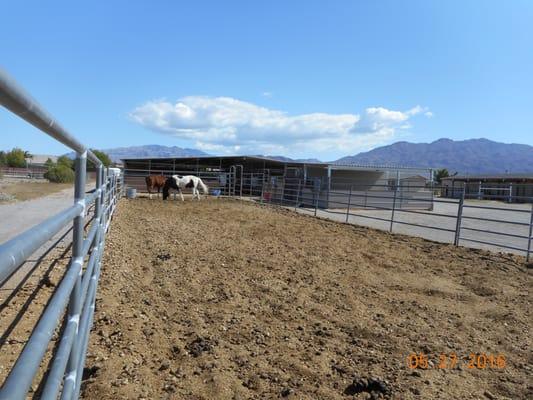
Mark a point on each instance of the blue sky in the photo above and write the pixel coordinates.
(301, 78)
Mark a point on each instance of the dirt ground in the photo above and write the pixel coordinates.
(21, 190)
(223, 299)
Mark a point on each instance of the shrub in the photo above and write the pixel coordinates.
(15, 158)
(59, 173)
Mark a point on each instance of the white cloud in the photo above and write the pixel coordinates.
(267, 94)
(226, 125)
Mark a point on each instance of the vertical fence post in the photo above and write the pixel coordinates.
(113, 186)
(104, 197)
(98, 201)
(366, 196)
(231, 180)
(349, 203)
(297, 195)
(242, 180)
(433, 195)
(228, 182)
(528, 254)
(283, 191)
(317, 197)
(262, 186)
(459, 218)
(74, 305)
(393, 208)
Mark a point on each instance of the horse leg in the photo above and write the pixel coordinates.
(198, 193)
(181, 194)
(149, 192)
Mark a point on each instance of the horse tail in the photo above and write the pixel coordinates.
(204, 187)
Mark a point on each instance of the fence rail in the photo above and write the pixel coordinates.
(73, 300)
(411, 210)
(394, 205)
(23, 173)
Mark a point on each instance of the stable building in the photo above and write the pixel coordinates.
(512, 188)
(329, 184)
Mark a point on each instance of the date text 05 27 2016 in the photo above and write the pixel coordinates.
(452, 360)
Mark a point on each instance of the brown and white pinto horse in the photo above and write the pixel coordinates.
(178, 182)
(155, 182)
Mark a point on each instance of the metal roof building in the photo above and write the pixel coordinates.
(211, 166)
(244, 173)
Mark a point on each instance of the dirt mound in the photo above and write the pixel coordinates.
(229, 300)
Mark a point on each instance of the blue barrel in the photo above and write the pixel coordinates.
(131, 193)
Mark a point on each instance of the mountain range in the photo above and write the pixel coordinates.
(151, 151)
(288, 159)
(473, 156)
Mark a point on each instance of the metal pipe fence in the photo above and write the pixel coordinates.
(392, 204)
(73, 300)
(23, 173)
(413, 211)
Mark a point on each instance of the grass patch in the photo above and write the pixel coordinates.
(29, 190)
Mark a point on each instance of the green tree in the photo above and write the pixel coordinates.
(439, 174)
(15, 158)
(49, 163)
(3, 161)
(65, 161)
(103, 157)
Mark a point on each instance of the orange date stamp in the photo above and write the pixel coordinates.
(479, 361)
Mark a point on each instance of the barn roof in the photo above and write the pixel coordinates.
(279, 161)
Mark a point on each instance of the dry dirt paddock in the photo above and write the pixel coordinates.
(223, 299)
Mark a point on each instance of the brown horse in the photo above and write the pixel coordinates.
(155, 182)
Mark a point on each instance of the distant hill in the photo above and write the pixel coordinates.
(288, 159)
(151, 150)
(473, 156)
